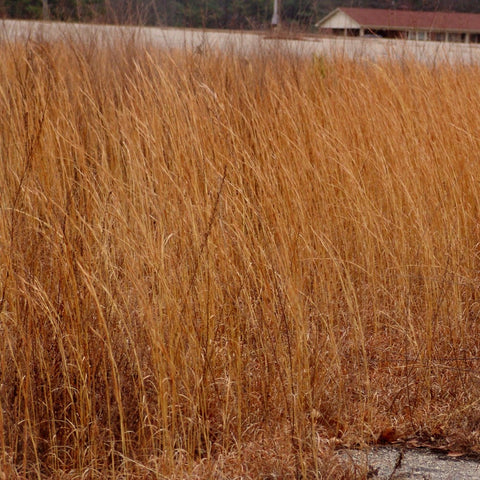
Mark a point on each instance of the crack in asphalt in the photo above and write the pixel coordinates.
(397, 465)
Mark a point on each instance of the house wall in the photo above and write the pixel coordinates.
(457, 37)
(342, 24)
(340, 21)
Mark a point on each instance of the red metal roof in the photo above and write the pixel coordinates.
(378, 18)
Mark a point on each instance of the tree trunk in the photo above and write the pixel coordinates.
(45, 12)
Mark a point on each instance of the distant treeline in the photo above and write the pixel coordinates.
(242, 14)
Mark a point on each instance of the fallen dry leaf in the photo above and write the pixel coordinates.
(388, 435)
(455, 454)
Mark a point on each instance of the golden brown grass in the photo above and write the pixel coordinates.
(214, 266)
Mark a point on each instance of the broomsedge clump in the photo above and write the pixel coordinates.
(215, 265)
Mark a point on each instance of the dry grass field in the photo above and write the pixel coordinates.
(215, 266)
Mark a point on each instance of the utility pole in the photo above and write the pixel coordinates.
(45, 12)
(276, 13)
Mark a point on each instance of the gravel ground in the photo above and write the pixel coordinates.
(245, 42)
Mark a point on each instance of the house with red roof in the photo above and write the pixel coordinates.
(406, 24)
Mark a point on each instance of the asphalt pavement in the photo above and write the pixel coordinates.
(389, 463)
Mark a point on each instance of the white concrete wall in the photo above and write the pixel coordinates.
(244, 43)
